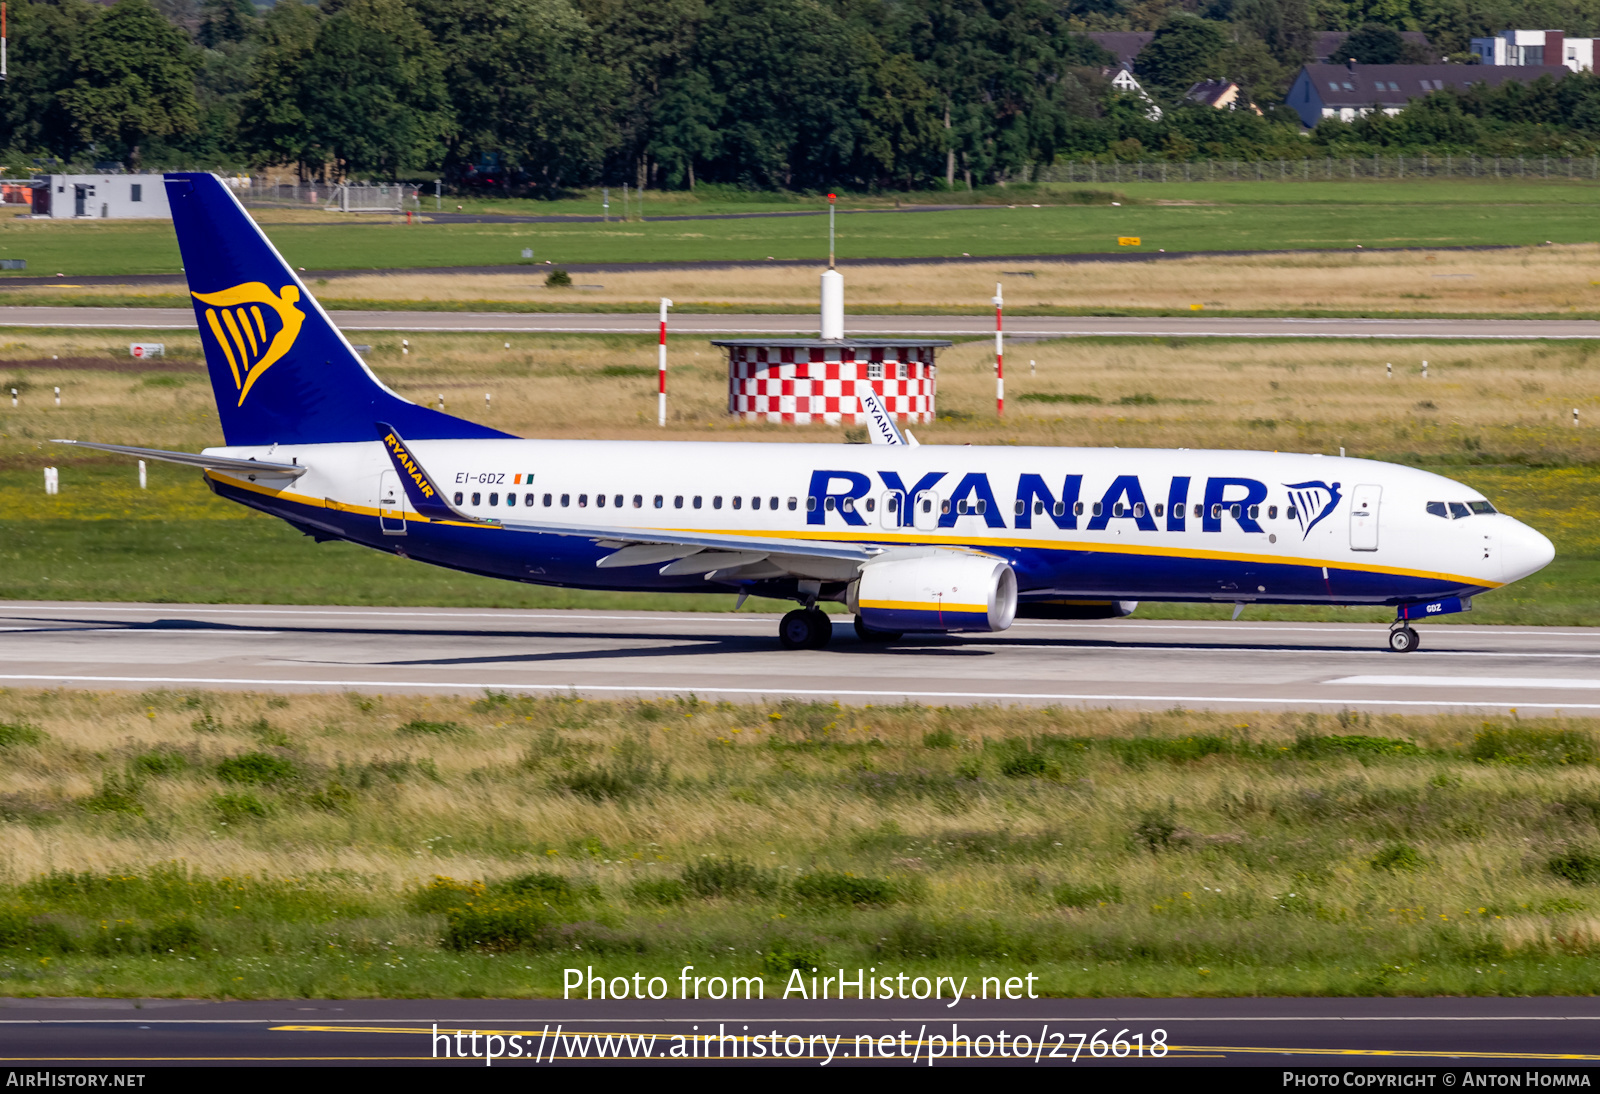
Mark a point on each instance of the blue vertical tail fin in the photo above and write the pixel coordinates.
(281, 371)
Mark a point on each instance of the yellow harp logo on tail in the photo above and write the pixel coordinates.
(252, 339)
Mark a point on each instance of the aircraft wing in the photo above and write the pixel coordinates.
(684, 552)
(197, 459)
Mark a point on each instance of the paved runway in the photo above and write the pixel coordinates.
(1144, 664)
(1451, 1035)
(979, 324)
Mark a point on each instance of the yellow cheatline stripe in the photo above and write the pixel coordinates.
(222, 340)
(921, 606)
(1032, 544)
(411, 516)
(1106, 548)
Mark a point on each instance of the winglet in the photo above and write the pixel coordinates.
(880, 423)
(427, 498)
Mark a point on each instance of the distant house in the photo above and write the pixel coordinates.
(1329, 41)
(1521, 48)
(1350, 91)
(1124, 82)
(100, 196)
(1220, 95)
(1126, 45)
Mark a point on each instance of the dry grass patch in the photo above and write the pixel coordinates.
(1145, 853)
(1481, 403)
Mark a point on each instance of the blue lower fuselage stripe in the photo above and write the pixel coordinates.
(1042, 572)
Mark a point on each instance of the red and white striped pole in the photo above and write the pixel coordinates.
(661, 411)
(999, 354)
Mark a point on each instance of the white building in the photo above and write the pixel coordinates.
(1124, 82)
(95, 196)
(1536, 47)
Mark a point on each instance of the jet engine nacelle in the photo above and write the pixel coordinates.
(935, 591)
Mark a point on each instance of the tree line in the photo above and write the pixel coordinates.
(540, 96)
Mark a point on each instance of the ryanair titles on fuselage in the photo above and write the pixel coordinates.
(839, 495)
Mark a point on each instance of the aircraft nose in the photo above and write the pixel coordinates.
(1525, 551)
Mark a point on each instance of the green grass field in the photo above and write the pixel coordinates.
(224, 845)
(1227, 216)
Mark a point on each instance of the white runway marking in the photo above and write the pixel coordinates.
(713, 689)
(1471, 682)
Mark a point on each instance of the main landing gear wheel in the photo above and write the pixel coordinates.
(867, 634)
(805, 629)
(1404, 640)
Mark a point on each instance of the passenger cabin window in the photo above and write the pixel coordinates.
(617, 501)
(1099, 509)
(528, 499)
(1255, 511)
(547, 501)
(872, 504)
(659, 501)
(774, 503)
(1272, 512)
(1077, 508)
(477, 499)
(1160, 509)
(892, 505)
(566, 500)
(716, 502)
(793, 502)
(599, 501)
(1060, 507)
(638, 501)
(1292, 513)
(677, 501)
(511, 499)
(737, 501)
(697, 501)
(1138, 508)
(755, 503)
(494, 498)
(811, 504)
(458, 497)
(1199, 510)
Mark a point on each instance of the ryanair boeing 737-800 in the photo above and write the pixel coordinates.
(923, 538)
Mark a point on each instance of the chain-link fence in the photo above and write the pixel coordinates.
(356, 197)
(1322, 169)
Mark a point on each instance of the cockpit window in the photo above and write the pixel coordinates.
(1437, 509)
(1481, 507)
(1458, 510)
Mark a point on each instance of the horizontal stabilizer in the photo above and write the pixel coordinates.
(197, 459)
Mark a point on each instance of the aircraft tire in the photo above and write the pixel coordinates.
(1404, 640)
(867, 634)
(805, 629)
(821, 628)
